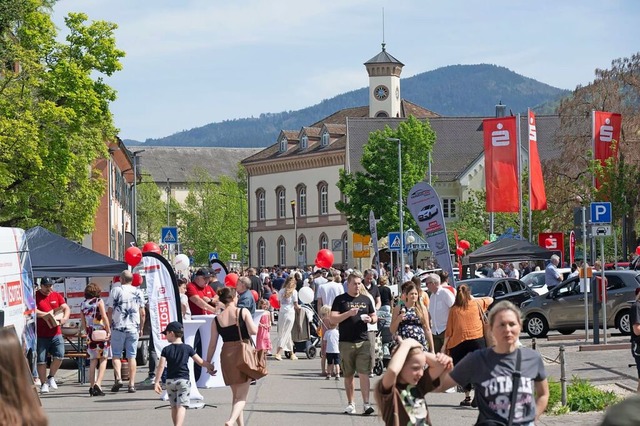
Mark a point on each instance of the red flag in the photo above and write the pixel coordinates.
(501, 164)
(537, 196)
(606, 131)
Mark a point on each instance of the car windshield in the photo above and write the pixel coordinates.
(534, 279)
(479, 288)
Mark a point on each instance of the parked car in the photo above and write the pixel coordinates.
(535, 280)
(562, 308)
(510, 289)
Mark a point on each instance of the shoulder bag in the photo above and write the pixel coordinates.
(97, 335)
(515, 381)
(486, 328)
(251, 361)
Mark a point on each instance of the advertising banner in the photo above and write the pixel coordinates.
(606, 131)
(553, 241)
(373, 230)
(424, 204)
(537, 195)
(501, 164)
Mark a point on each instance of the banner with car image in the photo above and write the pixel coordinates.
(424, 204)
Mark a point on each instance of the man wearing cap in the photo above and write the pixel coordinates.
(200, 294)
(407, 274)
(50, 339)
(127, 314)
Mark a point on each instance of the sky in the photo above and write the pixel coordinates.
(193, 62)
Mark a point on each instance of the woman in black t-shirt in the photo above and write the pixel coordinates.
(385, 294)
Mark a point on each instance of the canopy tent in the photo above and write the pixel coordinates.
(508, 249)
(55, 256)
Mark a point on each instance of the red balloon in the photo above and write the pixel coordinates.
(274, 302)
(151, 247)
(459, 251)
(137, 280)
(548, 243)
(464, 244)
(324, 258)
(256, 296)
(231, 279)
(133, 256)
(485, 242)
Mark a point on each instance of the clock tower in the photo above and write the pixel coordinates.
(384, 85)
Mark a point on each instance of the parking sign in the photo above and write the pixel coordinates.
(601, 212)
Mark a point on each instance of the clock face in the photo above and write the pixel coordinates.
(381, 93)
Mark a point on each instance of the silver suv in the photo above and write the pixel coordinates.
(562, 308)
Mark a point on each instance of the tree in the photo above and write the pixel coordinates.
(569, 176)
(54, 117)
(151, 210)
(214, 216)
(377, 187)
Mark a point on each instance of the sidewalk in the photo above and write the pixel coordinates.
(294, 393)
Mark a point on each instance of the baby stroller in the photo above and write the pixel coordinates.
(305, 331)
(384, 342)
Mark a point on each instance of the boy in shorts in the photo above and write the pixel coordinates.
(176, 356)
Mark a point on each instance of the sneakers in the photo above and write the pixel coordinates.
(52, 383)
(337, 377)
(149, 381)
(293, 357)
(351, 408)
(368, 410)
(328, 377)
(116, 386)
(44, 388)
(278, 357)
(37, 382)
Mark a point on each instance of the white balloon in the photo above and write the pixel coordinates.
(181, 262)
(305, 295)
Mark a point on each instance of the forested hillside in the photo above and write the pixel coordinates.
(456, 90)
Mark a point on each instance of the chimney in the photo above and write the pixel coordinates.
(500, 109)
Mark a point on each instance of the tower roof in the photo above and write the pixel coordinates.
(383, 58)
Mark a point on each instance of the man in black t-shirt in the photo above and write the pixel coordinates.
(353, 311)
(371, 287)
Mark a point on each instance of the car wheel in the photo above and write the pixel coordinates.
(142, 355)
(623, 323)
(566, 330)
(536, 326)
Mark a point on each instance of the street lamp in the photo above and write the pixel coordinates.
(134, 209)
(400, 204)
(295, 231)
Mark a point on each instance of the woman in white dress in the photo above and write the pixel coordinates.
(288, 297)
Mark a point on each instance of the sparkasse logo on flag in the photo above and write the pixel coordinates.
(501, 164)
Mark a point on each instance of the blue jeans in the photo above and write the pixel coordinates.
(124, 341)
(53, 345)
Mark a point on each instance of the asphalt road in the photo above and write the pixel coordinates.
(294, 393)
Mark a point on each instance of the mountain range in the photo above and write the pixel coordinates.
(455, 90)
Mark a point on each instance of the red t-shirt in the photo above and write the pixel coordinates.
(48, 303)
(194, 290)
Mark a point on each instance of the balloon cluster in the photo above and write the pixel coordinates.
(463, 245)
(638, 250)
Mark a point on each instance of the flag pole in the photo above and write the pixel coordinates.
(529, 165)
(519, 172)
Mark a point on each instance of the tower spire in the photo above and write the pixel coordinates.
(383, 43)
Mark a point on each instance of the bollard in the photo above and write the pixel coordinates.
(563, 377)
(533, 343)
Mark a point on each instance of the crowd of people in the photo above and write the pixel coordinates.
(440, 340)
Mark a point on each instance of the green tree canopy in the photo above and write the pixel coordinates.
(377, 187)
(151, 210)
(54, 117)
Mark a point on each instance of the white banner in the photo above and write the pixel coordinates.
(424, 204)
(162, 293)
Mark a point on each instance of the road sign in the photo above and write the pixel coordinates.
(601, 212)
(394, 241)
(213, 256)
(601, 230)
(169, 235)
(336, 245)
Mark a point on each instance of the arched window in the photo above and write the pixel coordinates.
(262, 253)
(261, 204)
(302, 200)
(345, 248)
(282, 251)
(302, 249)
(281, 196)
(323, 198)
(324, 241)
(382, 114)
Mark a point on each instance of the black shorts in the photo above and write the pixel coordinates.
(333, 359)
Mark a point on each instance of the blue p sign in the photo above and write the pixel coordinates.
(601, 212)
